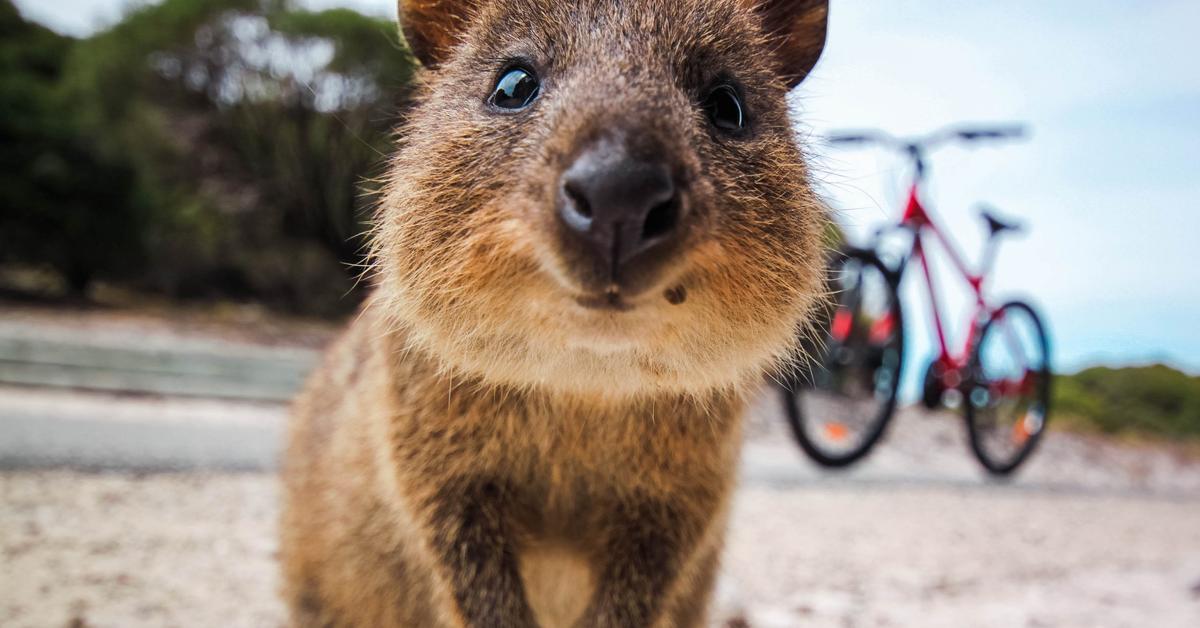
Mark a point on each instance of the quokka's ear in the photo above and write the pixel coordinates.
(433, 27)
(796, 30)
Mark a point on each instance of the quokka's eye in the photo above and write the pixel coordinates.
(516, 89)
(724, 108)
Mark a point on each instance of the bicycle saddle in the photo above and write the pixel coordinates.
(995, 224)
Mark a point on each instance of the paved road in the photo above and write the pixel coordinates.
(45, 428)
(153, 363)
(52, 427)
(48, 429)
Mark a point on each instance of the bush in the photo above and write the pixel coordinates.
(1155, 400)
(62, 203)
(218, 148)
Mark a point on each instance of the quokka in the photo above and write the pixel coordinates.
(596, 236)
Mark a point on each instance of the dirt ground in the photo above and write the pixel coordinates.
(198, 550)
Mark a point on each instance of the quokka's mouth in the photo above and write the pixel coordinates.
(613, 300)
(610, 301)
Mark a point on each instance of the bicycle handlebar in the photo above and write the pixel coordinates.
(995, 133)
(916, 148)
(965, 134)
(851, 138)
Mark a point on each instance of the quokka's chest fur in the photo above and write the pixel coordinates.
(563, 456)
(389, 438)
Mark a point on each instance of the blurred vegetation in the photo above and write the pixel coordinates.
(199, 149)
(65, 204)
(1150, 400)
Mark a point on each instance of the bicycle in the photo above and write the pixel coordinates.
(840, 405)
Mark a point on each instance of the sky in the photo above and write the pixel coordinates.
(1107, 184)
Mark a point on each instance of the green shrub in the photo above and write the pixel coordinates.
(214, 148)
(63, 204)
(1155, 400)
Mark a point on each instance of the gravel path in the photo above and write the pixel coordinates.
(198, 550)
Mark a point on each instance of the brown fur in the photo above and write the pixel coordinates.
(480, 450)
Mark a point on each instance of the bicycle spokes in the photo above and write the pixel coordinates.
(839, 411)
(1009, 384)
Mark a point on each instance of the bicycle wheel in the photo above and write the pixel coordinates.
(1008, 388)
(840, 402)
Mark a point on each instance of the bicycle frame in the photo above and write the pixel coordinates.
(918, 220)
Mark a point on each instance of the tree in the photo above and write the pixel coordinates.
(230, 139)
(61, 203)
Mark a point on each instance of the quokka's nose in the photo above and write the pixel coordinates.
(621, 206)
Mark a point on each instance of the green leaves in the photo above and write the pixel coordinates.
(245, 130)
(63, 205)
(1155, 399)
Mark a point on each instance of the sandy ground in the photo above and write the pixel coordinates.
(957, 557)
(198, 550)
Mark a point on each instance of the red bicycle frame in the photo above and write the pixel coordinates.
(917, 219)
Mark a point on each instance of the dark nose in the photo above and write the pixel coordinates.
(622, 206)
